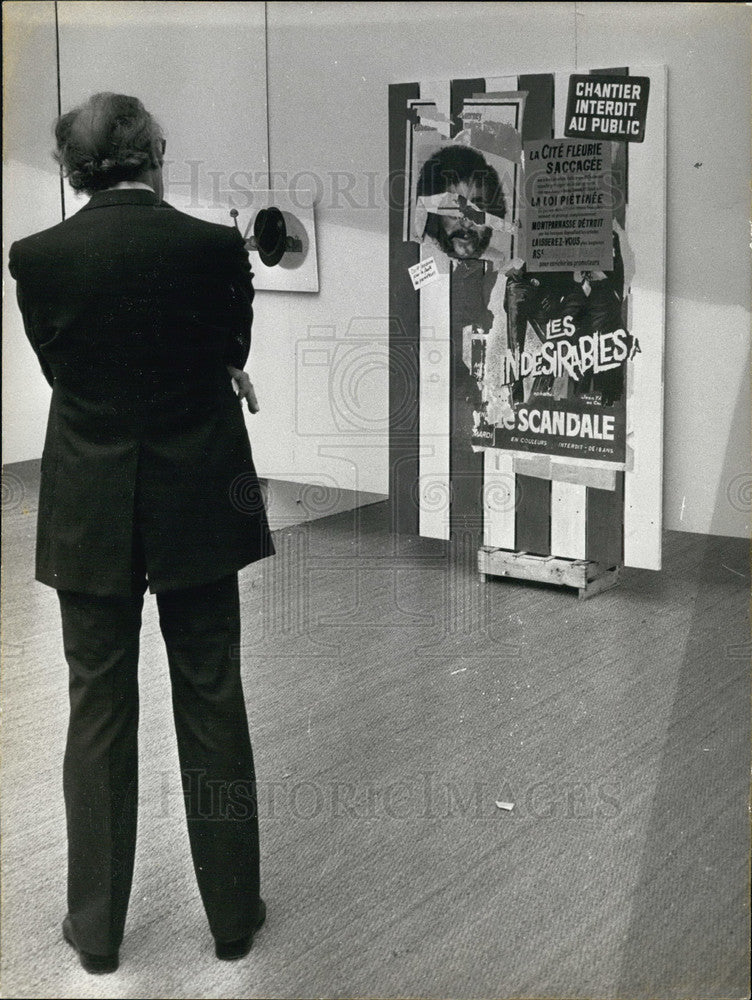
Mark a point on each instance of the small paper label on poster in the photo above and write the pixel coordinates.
(423, 273)
(568, 205)
(607, 107)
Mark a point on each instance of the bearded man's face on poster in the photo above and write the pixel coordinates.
(458, 187)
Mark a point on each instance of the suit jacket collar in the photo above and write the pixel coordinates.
(121, 196)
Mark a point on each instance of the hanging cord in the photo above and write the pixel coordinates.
(575, 35)
(59, 105)
(266, 80)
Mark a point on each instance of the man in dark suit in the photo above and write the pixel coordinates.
(141, 319)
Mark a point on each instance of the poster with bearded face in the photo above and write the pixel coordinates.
(463, 192)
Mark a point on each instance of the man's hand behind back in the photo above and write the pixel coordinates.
(244, 388)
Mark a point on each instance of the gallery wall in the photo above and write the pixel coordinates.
(320, 361)
(329, 68)
(31, 201)
(199, 67)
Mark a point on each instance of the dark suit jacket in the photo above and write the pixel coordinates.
(134, 309)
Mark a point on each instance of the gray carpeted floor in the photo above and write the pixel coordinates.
(394, 700)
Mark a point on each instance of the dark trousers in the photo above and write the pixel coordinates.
(201, 630)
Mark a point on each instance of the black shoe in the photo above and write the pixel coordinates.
(95, 964)
(228, 951)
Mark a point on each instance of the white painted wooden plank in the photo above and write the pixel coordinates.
(646, 236)
(561, 90)
(499, 498)
(434, 488)
(568, 510)
(434, 402)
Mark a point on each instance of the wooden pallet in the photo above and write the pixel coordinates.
(589, 578)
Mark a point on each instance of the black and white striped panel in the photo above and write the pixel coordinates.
(440, 487)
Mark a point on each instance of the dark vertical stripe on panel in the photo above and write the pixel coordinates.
(404, 329)
(532, 526)
(605, 516)
(466, 307)
(533, 520)
(465, 466)
(538, 120)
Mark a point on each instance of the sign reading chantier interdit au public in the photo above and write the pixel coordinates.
(607, 107)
